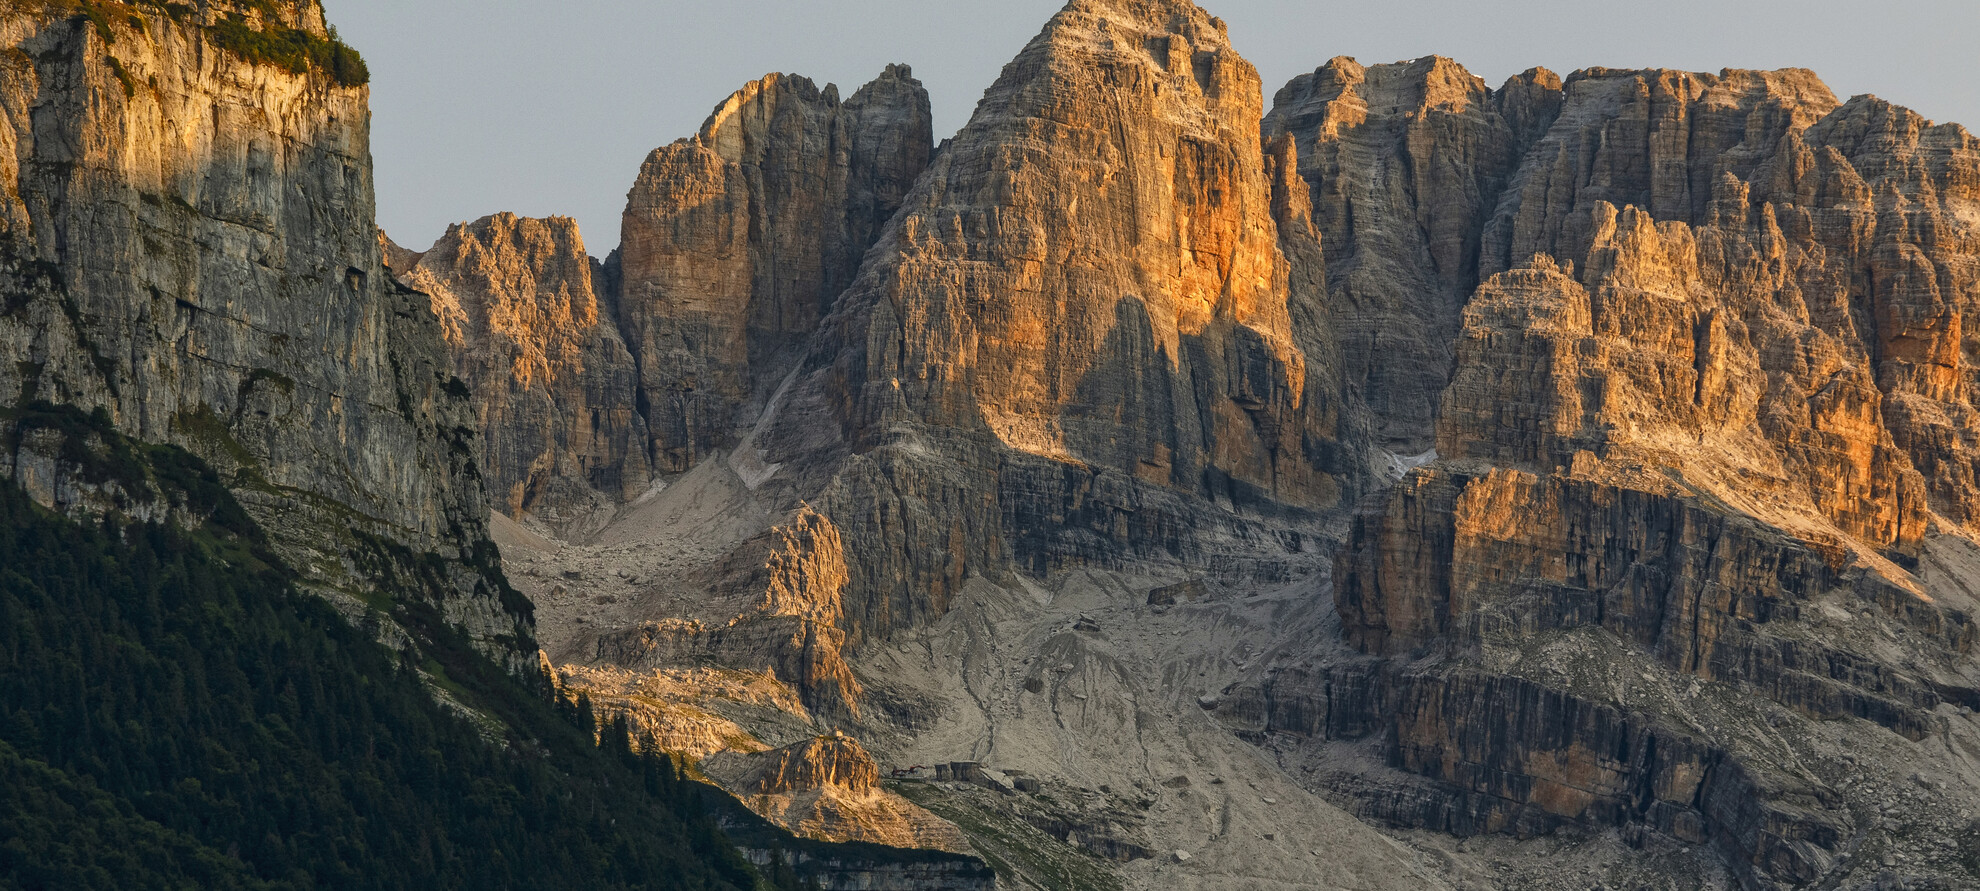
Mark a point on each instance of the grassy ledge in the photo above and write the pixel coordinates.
(251, 30)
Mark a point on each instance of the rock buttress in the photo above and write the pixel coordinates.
(189, 244)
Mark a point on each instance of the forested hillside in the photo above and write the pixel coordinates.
(175, 714)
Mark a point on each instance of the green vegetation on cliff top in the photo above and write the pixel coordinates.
(250, 29)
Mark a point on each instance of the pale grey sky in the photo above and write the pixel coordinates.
(549, 107)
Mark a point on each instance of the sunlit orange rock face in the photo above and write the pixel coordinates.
(829, 788)
(1092, 271)
(1631, 410)
(556, 391)
(1094, 334)
(1719, 302)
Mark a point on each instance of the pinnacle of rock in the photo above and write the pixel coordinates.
(738, 241)
(554, 385)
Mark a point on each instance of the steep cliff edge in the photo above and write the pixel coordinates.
(1692, 540)
(738, 240)
(555, 389)
(218, 406)
(1404, 163)
(1672, 367)
(188, 240)
(1077, 343)
(1094, 339)
(1109, 347)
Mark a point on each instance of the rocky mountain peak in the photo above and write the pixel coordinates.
(523, 280)
(553, 384)
(737, 242)
(737, 129)
(1137, 122)
(1656, 381)
(1212, 87)
(1402, 250)
(1401, 87)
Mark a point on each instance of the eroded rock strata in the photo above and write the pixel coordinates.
(1076, 344)
(1586, 458)
(1133, 364)
(563, 438)
(738, 240)
(829, 788)
(1694, 442)
(190, 248)
(1406, 162)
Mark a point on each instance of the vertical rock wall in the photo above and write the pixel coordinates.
(554, 386)
(187, 242)
(1703, 398)
(1405, 162)
(1087, 340)
(738, 241)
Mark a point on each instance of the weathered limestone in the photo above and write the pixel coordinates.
(1405, 162)
(738, 241)
(1700, 406)
(554, 386)
(1107, 349)
(1091, 271)
(1084, 340)
(187, 242)
(1671, 366)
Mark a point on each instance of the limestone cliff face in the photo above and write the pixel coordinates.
(1731, 326)
(1679, 363)
(1077, 343)
(775, 602)
(738, 240)
(1405, 162)
(1092, 270)
(1829, 257)
(187, 242)
(1095, 333)
(554, 386)
(1705, 395)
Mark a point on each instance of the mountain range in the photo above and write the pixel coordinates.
(1402, 483)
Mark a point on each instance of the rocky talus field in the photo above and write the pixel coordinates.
(1399, 483)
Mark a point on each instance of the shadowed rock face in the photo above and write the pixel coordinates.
(556, 391)
(190, 246)
(1405, 163)
(738, 241)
